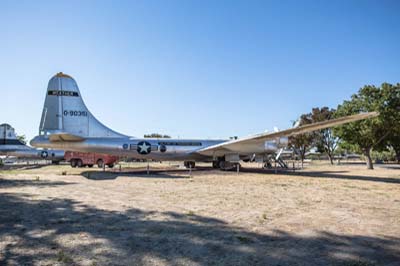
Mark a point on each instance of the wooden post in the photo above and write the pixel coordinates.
(148, 168)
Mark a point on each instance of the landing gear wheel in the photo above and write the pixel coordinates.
(73, 163)
(268, 165)
(100, 163)
(79, 163)
(227, 166)
(215, 164)
(221, 165)
(189, 164)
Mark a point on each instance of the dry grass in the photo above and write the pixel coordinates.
(322, 215)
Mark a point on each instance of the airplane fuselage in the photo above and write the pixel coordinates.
(25, 152)
(146, 148)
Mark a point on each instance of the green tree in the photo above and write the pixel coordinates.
(392, 113)
(302, 142)
(22, 138)
(365, 135)
(324, 140)
(394, 142)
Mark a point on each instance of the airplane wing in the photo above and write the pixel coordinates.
(255, 143)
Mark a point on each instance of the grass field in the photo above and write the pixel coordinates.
(321, 215)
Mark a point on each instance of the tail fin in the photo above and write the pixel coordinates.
(8, 136)
(64, 111)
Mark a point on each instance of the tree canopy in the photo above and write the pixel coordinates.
(302, 142)
(374, 133)
(22, 138)
(324, 140)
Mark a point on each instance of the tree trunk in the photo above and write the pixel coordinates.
(302, 157)
(398, 156)
(330, 156)
(367, 153)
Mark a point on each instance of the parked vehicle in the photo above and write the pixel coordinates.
(82, 159)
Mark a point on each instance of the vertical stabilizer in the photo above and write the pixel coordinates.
(65, 112)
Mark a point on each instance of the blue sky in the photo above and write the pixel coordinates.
(209, 69)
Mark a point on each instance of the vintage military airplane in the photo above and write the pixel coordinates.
(11, 146)
(67, 124)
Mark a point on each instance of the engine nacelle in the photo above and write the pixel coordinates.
(270, 146)
(283, 142)
(274, 145)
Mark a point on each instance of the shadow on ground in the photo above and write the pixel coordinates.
(67, 232)
(326, 174)
(142, 173)
(22, 167)
(184, 173)
(5, 183)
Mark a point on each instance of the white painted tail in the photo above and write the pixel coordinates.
(65, 112)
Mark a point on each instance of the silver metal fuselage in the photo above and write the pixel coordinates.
(10, 145)
(68, 124)
(25, 152)
(161, 149)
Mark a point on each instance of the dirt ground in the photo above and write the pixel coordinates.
(321, 215)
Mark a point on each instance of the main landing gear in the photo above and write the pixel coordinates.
(224, 165)
(189, 164)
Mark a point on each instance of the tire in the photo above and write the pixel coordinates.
(221, 165)
(215, 164)
(90, 165)
(73, 163)
(111, 165)
(79, 163)
(189, 164)
(100, 163)
(228, 166)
